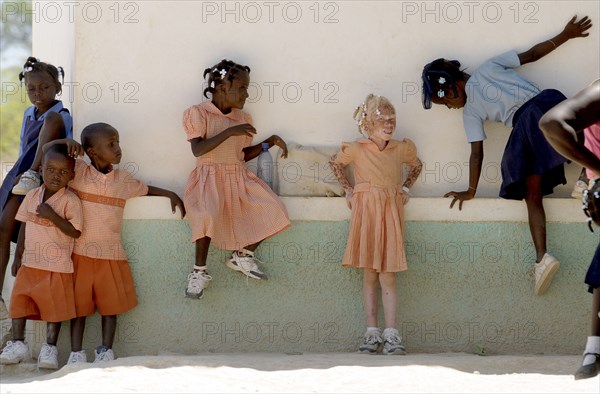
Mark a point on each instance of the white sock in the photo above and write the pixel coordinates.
(592, 346)
(199, 268)
(373, 329)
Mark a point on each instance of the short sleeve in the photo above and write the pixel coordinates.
(22, 214)
(74, 211)
(133, 187)
(195, 123)
(410, 153)
(508, 59)
(473, 127)
(346, 154)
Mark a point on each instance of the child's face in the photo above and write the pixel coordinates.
(383, 125)
(57, 171)
(236, 91)
(106, 148)
(450, 100)
(41, 89)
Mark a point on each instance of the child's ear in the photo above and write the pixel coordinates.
(90, 152)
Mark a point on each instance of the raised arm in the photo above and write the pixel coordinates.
(202, 146)
(475, 161)
(73, 147)
(573, 29)
(562, 122)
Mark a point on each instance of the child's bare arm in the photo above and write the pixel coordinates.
(251, 152)
(475, 162)
(562, 122)
(340, 174)
(74, 148)
(201, 146)
(413, 173)
(175, 200)
(45, 211)
(573, 29)
(19, 251)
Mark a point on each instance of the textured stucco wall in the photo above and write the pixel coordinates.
(467, 288)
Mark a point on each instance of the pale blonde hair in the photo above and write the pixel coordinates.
(372, 105)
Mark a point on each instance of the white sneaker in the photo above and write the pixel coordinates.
(244, 262)
(102, 353)
(197, 282)
(544, 273)
(29, 180)
(48, 358)
(371, 342)
(392, 342)
(3, 310)
(14, 352)
(77, 357)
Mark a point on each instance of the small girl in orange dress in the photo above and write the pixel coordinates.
(225, 202)
(376, 239)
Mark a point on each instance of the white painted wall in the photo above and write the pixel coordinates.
(138, 65)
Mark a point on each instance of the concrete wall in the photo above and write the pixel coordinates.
(466, 288)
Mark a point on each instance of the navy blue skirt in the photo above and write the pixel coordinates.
(592, 278)
(528, 153)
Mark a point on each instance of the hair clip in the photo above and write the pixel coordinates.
(212, 84)
(223, 72)
(441, 93)
(442, 80)
(377, 112)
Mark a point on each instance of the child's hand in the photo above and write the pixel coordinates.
(14, 268)
(176, 202)
(277, 140)
(459, 196)
(575, 29)
(74, 148)
(349, 195)
(241, 129)
(45, 211)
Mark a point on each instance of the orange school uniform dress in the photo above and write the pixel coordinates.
(376, 237)
(43, 288)
(223, 199)
(103, 277)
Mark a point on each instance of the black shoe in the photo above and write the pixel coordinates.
(590, 370)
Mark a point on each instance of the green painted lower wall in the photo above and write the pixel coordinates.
(466, 290)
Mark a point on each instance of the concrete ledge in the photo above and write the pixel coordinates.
(559, 210)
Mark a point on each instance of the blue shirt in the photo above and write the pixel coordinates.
(30, 114)
(495, 92)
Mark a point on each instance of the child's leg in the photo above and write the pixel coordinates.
(18, 329)
(370, 295)
(389, 294)
(537, 215)
(109, 327)
(202, 246)
(77, 329)
(52, 129)
(52, 331)
(596, 313)
(198, 279)
(591, 360)
(7, 227)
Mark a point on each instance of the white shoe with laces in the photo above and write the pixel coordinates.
(243, 261)
(392, 342)
(102, 353)
(14, 352)
(197, 282)
(77, 357)
(371, 342)
(544, 273)
(29, 181)
(48, 358)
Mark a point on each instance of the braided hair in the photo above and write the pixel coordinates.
(224, 71)
(372, 105)
(439, 77)
(591, 203)
(33, 64)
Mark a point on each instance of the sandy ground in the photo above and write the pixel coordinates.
(283, 373)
